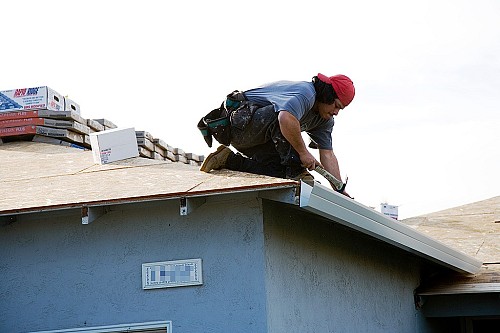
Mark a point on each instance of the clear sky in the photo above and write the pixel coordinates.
(422, 132)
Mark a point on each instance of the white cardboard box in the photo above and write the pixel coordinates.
(389, 210)
(36, 98)
(71, 105)
(113, 145)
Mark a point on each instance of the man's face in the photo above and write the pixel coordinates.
(327, 111)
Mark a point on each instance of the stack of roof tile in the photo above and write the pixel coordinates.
(69, 128)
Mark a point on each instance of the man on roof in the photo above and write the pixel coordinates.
(264, 125)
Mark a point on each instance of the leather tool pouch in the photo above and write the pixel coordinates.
(216, 124)
(241, 117)
(235, 111)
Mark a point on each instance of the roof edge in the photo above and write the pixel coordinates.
(461, 288)
(339, 208)
(169, 196)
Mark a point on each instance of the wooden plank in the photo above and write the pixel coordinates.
(24, 160)
(72, 172)
(487, 280)
(473, 230)
(55, 141)
(470, 228)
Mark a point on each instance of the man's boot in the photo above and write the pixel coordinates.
(216, 160)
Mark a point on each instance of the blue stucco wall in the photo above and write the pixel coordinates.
(323, 277)
(57, 273)
(267, 267)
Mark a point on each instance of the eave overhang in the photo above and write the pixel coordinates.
(341, 209)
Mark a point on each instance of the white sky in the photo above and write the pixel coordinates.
(421, 133)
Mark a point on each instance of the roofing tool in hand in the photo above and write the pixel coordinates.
(337, 184)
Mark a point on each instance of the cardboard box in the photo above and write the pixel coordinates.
(36, 98)
(70, 105)
(389, 210)
(114, 145)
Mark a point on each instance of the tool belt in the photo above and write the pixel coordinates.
(235, 111)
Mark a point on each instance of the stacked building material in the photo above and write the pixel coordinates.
(41, 114)
(194, 159)
(94, 125)
(106, 123)
(63, 125)
(159, 149)
(145, 144)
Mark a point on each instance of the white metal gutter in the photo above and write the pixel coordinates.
(339, 208)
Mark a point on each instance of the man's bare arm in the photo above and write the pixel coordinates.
(290, 128)
(330, 162)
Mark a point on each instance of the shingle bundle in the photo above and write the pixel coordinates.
(41, 114)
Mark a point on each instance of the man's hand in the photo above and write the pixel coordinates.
(346, 194)
(330, 163)
(308, 161)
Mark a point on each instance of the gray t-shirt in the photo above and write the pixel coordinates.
(298, 99)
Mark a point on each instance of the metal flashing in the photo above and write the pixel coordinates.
(341, 209)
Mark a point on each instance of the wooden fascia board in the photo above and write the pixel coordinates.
(464, 288)
(277, 192)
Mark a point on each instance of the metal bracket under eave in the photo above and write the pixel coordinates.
(286, 195)
(8, 219)
(90, 214)
(190, 204)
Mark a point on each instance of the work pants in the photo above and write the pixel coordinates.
(262, 147)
